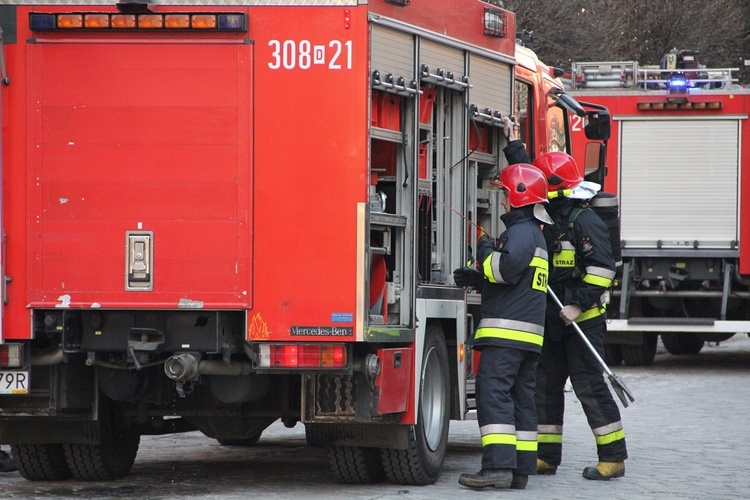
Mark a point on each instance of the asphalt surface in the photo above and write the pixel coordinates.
(687, 436)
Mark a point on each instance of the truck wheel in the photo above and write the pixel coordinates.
(355, 465)
(613, 354)
(112, 458)
(642, 354)
(421, 462)
(681, 343)
(41, 462)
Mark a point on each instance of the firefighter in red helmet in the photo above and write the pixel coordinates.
(581, 272)
(513, 283)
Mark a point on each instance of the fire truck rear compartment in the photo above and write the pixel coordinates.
(141, 164)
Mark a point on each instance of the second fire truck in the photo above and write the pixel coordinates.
(679, 161)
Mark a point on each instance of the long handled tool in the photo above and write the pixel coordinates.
(618, 385)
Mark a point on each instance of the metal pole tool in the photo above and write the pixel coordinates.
(618, 385)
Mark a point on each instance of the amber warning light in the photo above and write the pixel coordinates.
(145, 22)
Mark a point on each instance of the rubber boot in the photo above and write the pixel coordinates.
(497, 478)
(544, 468)
(604, 471)
(519, 482)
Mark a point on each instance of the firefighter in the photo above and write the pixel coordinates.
(512, 280)
(7, 464)
(581, 271)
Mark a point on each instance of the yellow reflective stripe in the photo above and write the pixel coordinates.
(504, 333)
(610, 438)
(539, 262)
(593, 279)
(591, 313)
(499, 439)
(541, 273)
(491, 268)
(527, 446)
(558, 194)
(564, 258)
(550, 438)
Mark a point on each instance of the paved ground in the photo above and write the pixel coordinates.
(687, 437)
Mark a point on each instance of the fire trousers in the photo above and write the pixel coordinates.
(570, 357)
(505, 408)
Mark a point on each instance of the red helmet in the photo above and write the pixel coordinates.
(525, 184)
(560, 169)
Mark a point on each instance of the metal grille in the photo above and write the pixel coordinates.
(335, 396)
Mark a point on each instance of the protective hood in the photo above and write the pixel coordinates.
(584, 191)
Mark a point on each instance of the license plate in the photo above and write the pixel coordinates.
(14, 382)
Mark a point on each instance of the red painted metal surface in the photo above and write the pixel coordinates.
(124, 142)
(394, 379)
(460, 20)
(310, 170)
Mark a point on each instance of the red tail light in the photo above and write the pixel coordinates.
(303, 356)
(11, 355)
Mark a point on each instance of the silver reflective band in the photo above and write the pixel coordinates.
(495, 268)
(607, 429)
(497, 429)
(526, 435)
(510, 324)
(550, 429)
(601, 271)
(604, 202)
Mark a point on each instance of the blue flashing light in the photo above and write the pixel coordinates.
(678, 84)
(231, 22)
(42, 21)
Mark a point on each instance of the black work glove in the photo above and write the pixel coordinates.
(468, 276)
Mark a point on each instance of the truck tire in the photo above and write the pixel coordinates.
(681, 343)
(41, 462)
(613, 354)
(423, 459)
(640, 354)
(113, 457)
(355, 464)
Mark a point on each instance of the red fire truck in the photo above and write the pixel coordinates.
(222, 214)
(677, 162)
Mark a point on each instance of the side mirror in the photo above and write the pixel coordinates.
(598, 126)
(566, 102)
